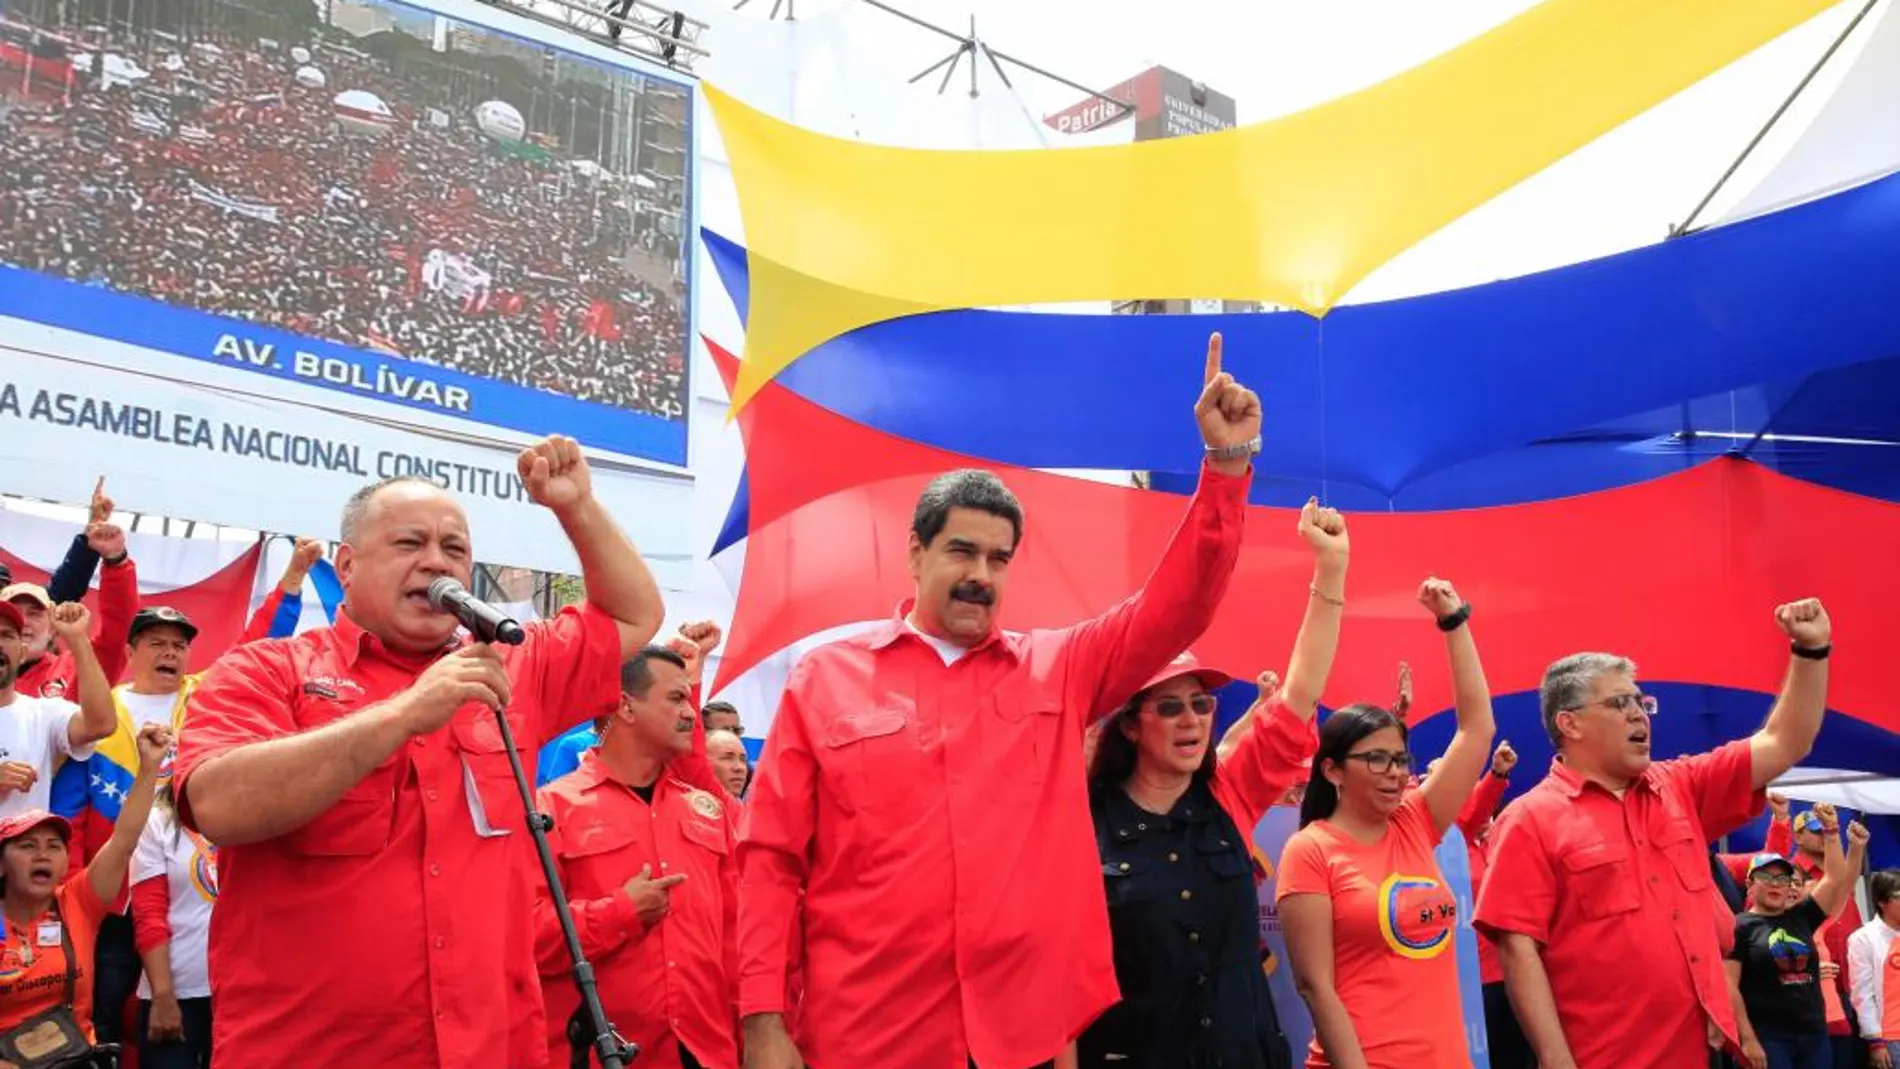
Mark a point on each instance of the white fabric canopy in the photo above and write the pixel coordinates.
(1860, 791)
(1855, 137)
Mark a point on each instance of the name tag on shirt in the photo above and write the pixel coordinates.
(476, 811)
(49, 934)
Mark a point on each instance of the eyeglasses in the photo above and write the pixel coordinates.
(1169, 708)
(1780, 879)
(1622, 704)
(1379, 762)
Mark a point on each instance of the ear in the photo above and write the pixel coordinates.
(1567, 726)
(1334, 774)
(1129, 728)
(345, 563)
(917, 548)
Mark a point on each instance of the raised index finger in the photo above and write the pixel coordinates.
(1213, 357)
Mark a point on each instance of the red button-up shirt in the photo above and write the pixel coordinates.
(388, 930)
(663, 986)
(937, 821)
(1618, 892)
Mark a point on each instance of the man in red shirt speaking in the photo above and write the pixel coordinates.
(1598, 891)
(919, 829)
(376, 905)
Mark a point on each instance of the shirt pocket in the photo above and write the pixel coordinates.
(1129, 881)
(875, 757)
(1023, 736)
(479, 743)
(598, 857)
(1600, 879)
(1221, 856)
(357, 825)
(704, 835)
(1687, 855)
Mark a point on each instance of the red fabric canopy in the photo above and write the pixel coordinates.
(1682, 573)
(219, 603)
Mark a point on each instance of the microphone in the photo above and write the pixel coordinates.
(484, 621)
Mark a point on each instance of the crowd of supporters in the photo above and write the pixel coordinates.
(962, 846)
(218, 181)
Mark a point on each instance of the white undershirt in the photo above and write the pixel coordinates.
(949, 651)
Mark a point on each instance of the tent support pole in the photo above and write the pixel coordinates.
(1687, 225)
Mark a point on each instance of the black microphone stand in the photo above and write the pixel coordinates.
(613, 1051)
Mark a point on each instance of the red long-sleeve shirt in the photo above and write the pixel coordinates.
(661, 986)
(935, 819)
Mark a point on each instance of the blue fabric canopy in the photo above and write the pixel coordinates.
(1564, 381)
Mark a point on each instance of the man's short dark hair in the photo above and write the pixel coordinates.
(707, 710)
(967, 488)
(636, 673)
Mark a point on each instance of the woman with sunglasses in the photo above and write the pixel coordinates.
(1776, 961)
(1174, 824)
(1368, 919)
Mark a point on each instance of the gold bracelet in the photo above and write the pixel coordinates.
(1314, 590)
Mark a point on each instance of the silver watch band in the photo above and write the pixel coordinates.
(1235, 452)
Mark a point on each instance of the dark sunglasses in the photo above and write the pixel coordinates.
(1169, 708)
(1379, 762)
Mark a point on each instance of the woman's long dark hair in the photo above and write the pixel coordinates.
(1116, 754)
(1337, 736)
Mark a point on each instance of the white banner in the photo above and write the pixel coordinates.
(220, 456)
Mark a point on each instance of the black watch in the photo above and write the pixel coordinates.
(1457, 618)
(1811, 653)
(118, 560)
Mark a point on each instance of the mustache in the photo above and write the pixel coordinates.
(972, 592)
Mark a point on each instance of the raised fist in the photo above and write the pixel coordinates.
(1324, 529)
(1503, 761)
(1805, 622)
(106, 539)
(1269, 684)
(1404, 702)
(1856, 833)
(1830, 819)
(71, 621)
(555, 473)
(305, 557)
(1438, 597)
(154, 743)
(704, 634)
(1778, 805)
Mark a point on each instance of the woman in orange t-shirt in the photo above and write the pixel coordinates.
(1368, 919)
(53, 911)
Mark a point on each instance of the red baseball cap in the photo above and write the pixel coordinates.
(20, 823)
(1187, 665)
(10, 613)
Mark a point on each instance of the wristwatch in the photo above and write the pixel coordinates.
(1236, 451)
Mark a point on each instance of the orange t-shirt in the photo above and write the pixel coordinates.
(33, 964)
(1394, 921)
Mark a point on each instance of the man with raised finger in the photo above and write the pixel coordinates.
(377, 895)
(643, 838)
(917, 840)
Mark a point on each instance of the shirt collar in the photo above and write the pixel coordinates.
(355, 641)
(898, 627)
(1571, 783)
(592, 771)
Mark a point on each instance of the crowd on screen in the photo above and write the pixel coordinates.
(962, 846)
(221, 183)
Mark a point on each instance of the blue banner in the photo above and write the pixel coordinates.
(283, 355)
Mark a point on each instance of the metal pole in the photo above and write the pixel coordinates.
(960, 39)
(1684, 228)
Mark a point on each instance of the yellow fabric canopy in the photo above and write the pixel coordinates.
(1294, 211)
